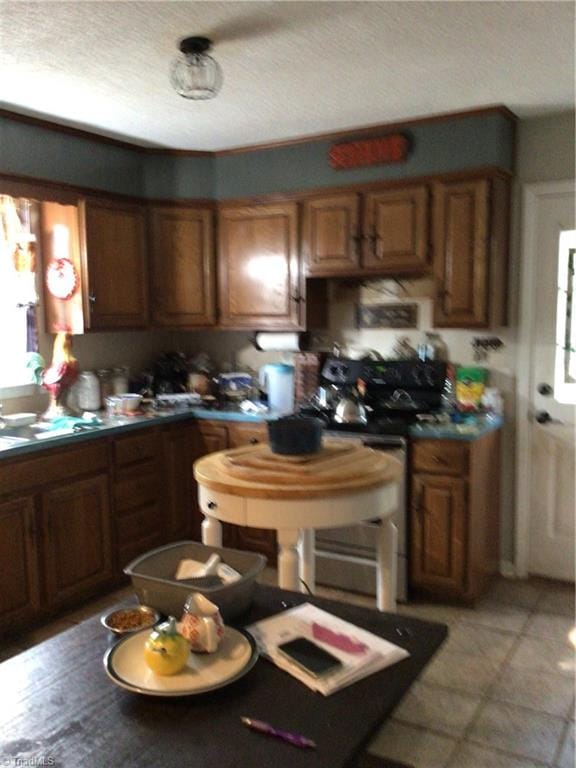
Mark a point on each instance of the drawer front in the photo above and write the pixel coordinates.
(443, 457)
(137, 489)
(139, 524)
(222, 506)
(129, 450)
(63, 464)
(247, 434)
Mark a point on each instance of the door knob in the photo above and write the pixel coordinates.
(543, 417)
(545, 389)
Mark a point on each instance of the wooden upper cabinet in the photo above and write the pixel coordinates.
(470, 252)
(331, 238)
(383, 232)
(182, 267)
(396, 230)
(115, 266)
(260, 280)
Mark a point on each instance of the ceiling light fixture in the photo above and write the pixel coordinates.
(195, 74)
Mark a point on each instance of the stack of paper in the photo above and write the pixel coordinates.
(360, 652)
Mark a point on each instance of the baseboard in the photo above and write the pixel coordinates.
(508, 569)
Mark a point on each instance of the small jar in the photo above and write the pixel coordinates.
(105, 379)
(89, 392)
(120, 381)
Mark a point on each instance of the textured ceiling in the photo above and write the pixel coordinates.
(290, 68)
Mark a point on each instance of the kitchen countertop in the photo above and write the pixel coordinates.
(477, 427)
(32, 444)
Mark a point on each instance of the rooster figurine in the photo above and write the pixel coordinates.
(60, 376)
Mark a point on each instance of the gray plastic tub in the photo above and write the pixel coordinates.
(153, 579)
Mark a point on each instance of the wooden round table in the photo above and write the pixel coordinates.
(340, 485)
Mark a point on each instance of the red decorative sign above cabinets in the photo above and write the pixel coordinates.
(355, 154)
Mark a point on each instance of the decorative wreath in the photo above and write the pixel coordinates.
(62, 278)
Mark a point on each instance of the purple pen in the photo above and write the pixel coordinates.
(292, 738)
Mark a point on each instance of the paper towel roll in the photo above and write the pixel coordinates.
(284, 342)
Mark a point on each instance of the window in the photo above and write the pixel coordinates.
(565, 364)
(18, 295)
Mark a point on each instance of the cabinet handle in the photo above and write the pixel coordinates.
(357, 241)
(439, 460)
(374, 238)
(212, 505)
(254, 441)
(91, 300)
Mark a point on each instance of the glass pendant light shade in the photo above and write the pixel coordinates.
(195, 74)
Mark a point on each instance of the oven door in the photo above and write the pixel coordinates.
(346, 557)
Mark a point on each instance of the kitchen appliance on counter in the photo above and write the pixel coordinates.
(394, 394)
(277, 379)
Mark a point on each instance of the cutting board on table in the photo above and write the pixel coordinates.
(336, 462)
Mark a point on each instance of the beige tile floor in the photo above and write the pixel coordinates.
(499, 694)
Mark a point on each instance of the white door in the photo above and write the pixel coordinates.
(546, 446)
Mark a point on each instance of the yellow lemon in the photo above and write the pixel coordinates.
(166, 651)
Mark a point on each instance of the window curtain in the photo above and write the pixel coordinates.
(18, 258)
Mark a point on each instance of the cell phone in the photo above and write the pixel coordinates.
(309, 656)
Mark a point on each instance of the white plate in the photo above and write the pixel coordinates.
(125, 665)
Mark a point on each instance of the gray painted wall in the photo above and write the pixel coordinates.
(438, 147)
(45, 154)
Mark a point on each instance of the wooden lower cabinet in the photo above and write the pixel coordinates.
(255, 539)
(438, 532)
(454, 518)
(75, 519)
(209, 437)
(139, 496)
(19, 567)
(72, 518)
(182, 519)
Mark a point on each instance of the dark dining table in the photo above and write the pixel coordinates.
(58, 707)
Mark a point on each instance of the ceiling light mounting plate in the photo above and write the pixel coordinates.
(196, 45)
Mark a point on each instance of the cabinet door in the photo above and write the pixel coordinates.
(182, 262)
(259, 267)
(396, 231)
(254, 539)
(115, 266)
(439, 533)
(209, 438)
(331, 239)
(461, 253)
(77, 548)
(183, 518)
(19, 577)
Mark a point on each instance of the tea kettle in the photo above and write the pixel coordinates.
(350, 408)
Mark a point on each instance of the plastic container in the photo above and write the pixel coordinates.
(88, 392)
(295, 435)
(153, 579)
(278, 381)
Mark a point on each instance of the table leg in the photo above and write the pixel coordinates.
(288, 559)
(211, 532)
(307, 559)
(386, 566)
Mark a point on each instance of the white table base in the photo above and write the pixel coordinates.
(296, 560)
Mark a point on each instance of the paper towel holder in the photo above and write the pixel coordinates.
(300, 341)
